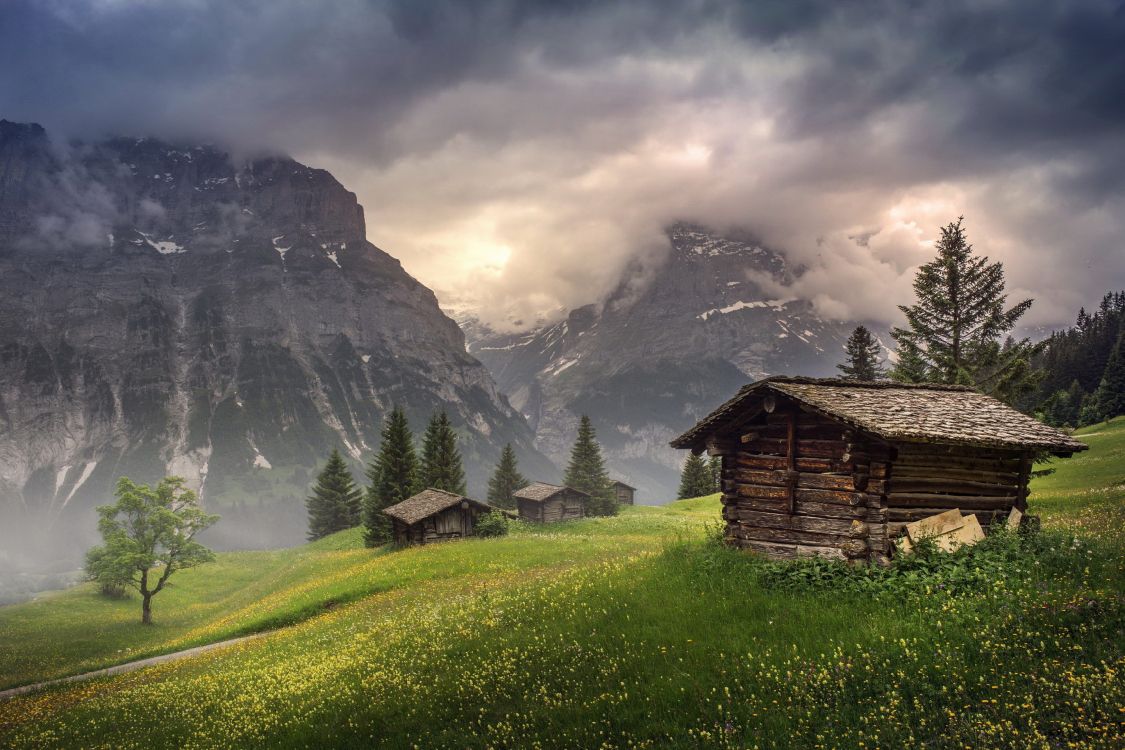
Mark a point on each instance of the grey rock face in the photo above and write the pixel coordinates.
(167, 310)
(660, 354)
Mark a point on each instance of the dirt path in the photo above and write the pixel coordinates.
(126, 667)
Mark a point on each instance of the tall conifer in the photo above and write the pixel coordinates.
(334, 504)
(506, 480)
(716, 467)
(586, 471)
(862, 351)
(696, 479)
(1109, 399)
(954, 330)
(441, 460)
(394, 477)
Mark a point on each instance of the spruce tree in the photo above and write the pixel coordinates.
(586, 471)
(696, 479)
(334, 504)
(953, 331)
(441, 461)
(862, 356)
(394, 477)
(1109, 399)
(506, 480)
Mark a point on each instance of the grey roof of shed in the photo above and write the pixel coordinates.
(947, 414)
(425, 504)
(540, 491)
(619, 483)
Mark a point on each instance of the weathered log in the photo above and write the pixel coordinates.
(758, 461)
(824, 510)
(804, 479)
(766, 492)
(936, 449)
(814, 524)
(963, 461)
(744, 530)
(931, 500)
(831, 496)
(973, 475)
(805, 448)
(949, 486)
(762, 491)
(790, 551)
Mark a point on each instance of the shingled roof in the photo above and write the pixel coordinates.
(540, 491)
(953, 415)
(425, 504)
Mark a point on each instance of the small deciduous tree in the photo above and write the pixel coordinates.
(148, 534)
(505, 480)
(862, 352)
(441, 460)
(696, 479)
(586, 471)
(393, 474)
(334, 504)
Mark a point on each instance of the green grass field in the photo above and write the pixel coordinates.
(628, 632)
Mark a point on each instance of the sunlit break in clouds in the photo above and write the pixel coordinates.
(519, 157)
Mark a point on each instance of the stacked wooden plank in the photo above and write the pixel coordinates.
(928, 479)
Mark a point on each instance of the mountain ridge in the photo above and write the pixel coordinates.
(166, 309)
(665, 347)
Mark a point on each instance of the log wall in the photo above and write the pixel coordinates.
(826, 490)
(800, 489)
(447, 525)
(563, 506)
(927, 479)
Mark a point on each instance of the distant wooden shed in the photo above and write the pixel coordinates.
(837, 468)
(624, 492)
(544, 503)
(434, 516)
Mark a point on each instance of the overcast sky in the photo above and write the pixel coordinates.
(519, 155)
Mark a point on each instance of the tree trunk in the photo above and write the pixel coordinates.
(146, 599)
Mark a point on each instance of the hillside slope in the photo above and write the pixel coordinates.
(169, 308)
(635, 632)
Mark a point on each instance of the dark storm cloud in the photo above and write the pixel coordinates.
(493, 141)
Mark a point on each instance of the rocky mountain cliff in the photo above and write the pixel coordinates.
(660, 353)
(168, 309)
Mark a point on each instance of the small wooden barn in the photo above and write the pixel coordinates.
(434, 516)
(837, 468)
(623, 492)
(544, 503)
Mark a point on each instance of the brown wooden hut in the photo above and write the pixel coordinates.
(838, 468)
(544, 503)
(624, 492)
(434, 516)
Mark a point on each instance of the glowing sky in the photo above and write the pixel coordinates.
(517, 156)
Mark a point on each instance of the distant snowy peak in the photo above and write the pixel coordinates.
(695, 243)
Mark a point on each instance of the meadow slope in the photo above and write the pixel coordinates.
(637, 631)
